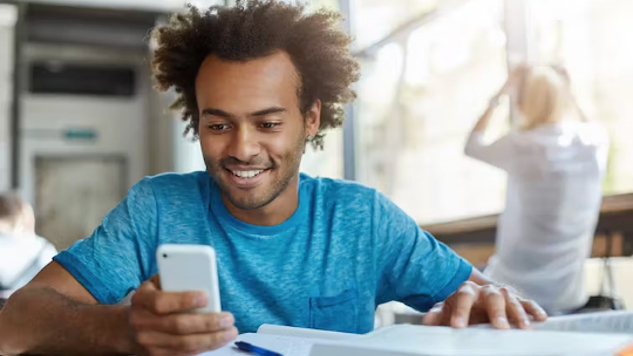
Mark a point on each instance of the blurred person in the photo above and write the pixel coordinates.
(556, 161)
(257, 83)
(22, 253)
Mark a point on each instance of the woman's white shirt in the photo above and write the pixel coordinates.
(555, 175)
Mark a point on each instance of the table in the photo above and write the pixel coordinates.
(616, 219)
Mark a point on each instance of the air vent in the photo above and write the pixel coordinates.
(56, 78)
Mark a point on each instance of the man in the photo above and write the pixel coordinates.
(256, 83)
(22, 253)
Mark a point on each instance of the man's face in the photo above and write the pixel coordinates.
(251, 130)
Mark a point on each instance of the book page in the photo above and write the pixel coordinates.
(443, 341)
(304, 333)
(600, 322)
(285, 345)
(405, 340)
(603, 322)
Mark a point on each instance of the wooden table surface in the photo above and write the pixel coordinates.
(616, 216)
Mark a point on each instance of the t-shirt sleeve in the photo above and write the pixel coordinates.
(498, 153)
(116, 258)
(413, 266)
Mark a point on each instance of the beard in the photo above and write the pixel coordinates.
(279, 177)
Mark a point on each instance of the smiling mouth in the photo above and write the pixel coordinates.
(247, 174)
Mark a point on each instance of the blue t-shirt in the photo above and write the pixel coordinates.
(345, 250)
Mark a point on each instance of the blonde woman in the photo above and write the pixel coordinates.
(556, 160)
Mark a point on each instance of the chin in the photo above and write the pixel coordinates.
(248, 199)
(246, 203)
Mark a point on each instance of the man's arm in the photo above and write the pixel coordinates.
(55, 314)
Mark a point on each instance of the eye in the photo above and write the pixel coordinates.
(269, 125)
(218, 127)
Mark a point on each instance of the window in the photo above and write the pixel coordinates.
(592, 38)
(318, 4)
(329, 162)
(374, 19)
(418, 99)
(326, 163)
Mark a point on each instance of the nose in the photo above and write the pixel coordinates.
(244, 144)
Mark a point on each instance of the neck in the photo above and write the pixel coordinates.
(273, 213)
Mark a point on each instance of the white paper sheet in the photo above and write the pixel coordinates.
(441, 341)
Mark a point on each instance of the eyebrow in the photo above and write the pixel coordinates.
(224, 114)
(268, 111)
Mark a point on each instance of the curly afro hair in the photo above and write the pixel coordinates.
(252, 29)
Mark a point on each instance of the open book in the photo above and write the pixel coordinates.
(286, 340)
(602, 322)
(413, 340)
(607, 322)
(416, 340)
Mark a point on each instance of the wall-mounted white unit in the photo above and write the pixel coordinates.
(84, 134)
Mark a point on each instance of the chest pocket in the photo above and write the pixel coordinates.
(335, 313)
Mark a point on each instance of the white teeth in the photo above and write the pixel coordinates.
(246, 174)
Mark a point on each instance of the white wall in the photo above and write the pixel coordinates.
(8, 15)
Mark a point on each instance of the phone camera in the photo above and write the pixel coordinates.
(164, 255)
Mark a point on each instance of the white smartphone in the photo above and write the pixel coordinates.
(184, 268)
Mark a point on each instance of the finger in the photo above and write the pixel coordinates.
(188, 344)
(434, 316)
(515, 311)
(478, 316)
(495, 305)
(533, 309)
(183, 323)
(162, 351)
(148, 285)
(462, 303)
(158, 351)
(144, 290)
(159, 302)
(156, 280)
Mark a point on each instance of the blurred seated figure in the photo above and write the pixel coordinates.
(22, 253)
(556, 160)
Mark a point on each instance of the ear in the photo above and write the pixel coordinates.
(313, 119)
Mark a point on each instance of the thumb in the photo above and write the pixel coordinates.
(155, 281)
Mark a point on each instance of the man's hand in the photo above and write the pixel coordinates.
(162, 323)
(475, 304)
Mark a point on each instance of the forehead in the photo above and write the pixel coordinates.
(247, 85)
